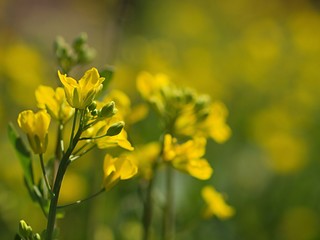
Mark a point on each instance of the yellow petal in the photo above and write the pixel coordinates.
(199, 168)
(116, 169)
(216, 203)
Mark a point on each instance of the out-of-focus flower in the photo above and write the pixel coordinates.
(54, 101)
(36, 126)
(216, 205)
(116, 169)
(149, 85)
(80, 94)
(150, 88)
(183, 111)
(186, 157)
(211, 122)
(129, 114)
(145, 157)
(101, 128)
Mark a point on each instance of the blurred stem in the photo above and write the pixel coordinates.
(60, 174)
(148, 210)
(168, 217)
(148, 202)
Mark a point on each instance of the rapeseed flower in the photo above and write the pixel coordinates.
(36, 126)
(216, 205)
(54, 101)
(187, 157)
(183, 111)
(210, 122)
(116, 169)
(130, 114)
(80, 94)
(145, 157)
(101, 128)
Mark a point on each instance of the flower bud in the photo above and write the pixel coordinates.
(202, 102)
(115, 129)
(108, 110)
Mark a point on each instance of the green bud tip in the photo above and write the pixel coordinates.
(92, 106)
(108, 110)
(115, 129)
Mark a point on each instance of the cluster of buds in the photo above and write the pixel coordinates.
(69, 56)
(26, 232)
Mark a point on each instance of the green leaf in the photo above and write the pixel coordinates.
(23, 154)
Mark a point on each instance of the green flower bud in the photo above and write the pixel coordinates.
(37, 237)
(189, 95)
(80, 41)
(92, 106)
(115, 129)
(95, 112)
(108, 110)
(23, 227)
(202, 102)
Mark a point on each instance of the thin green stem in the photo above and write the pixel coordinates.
(148, 210)
(73, 126)
(78, 150)
(148, 202)
(58, 181)
(56, 191)
(83, 200)
(93, 138)
(82, 153)
(59, 151)
(168, 218)
(44, 173)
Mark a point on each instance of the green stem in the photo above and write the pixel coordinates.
(56, 191)
(83, 200)
(58, 152)
(148, 210)
(73, 126)
(168, 218)
(82, 153)
(44, 173)
(58, 181)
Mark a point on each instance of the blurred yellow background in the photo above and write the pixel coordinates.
(261, 58)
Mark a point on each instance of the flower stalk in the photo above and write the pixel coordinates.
(58, 181)
(168, 217)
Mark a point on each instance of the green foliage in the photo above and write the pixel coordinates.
(24, 156)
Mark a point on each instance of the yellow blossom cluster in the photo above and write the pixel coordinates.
(99, 125)
(188, 120)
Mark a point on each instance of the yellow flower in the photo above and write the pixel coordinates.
(144, 157)
(54, 101)
(116, 169)
(80, 94)
(101, 128)
(36, 126)
(149, 85)
(213, 125)
(128, 113)
(186, 157)
(150, 88)
(216, 205)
